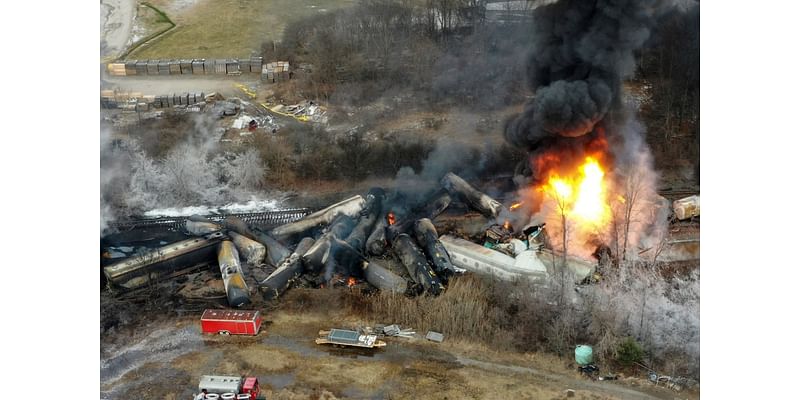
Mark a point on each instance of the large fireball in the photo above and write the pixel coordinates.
(581, 197)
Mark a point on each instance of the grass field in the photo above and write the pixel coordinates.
(227, 28)
(150, 22)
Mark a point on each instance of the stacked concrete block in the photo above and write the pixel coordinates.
(219, 67)
(130, 68)
(197, 67)
(186, 67)
(255, 64)
(141, 67)
(232, 67)
(163, 67)
(174, 67)
(152, 67)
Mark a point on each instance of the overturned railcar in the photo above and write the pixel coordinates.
(232, 275)
(163, 262)
(481, 260)
(291, 268)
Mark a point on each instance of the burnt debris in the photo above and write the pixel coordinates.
(380, 241)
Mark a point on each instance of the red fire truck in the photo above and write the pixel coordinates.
(231, 322)
(215, 387)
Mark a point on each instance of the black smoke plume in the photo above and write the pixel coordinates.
(581, 52)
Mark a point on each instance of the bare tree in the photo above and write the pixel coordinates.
(634, 184)
(244, 171)
(144, 184)
(276, 156)
(561, 192)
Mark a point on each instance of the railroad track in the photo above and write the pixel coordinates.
(270, 219)
(264, 219)
(677, 194)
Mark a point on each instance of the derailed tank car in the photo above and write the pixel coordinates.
(137, 271)
(232, 276)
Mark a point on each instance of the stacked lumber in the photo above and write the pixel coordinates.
(275, 72)
(116, 69)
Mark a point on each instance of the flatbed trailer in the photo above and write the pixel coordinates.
(342, 337)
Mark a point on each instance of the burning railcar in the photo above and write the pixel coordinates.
(385, 242)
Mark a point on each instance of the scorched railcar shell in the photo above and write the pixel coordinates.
(481, 260)
(233, 322)
(138, 270)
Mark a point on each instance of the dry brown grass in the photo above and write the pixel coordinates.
(462, 312)
(360, 374)
(487, 384)
(190, 362)
(286, 394)
(262, 359)
(542, 361)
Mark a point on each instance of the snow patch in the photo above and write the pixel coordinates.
(232, 208)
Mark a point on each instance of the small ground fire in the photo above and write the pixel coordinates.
(390, 218)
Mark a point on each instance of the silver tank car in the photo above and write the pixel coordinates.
(232, 276)
(457, 186)
(350, 207)
(252, 251)
(291, 267)
(199, 226)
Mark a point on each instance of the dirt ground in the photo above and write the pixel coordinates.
(116, 17)
(157, 351)
(159, 85)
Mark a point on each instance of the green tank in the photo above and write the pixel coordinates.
(583, 355)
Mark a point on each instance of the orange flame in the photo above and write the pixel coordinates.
(515, 206)
(351, 281)
(582, 197)
(507, 225)
(391, 218)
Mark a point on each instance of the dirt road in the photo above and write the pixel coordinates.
(157, 85)
(617, 391)
(116, 18)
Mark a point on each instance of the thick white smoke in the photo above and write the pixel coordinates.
(640, 214)
(195, 173)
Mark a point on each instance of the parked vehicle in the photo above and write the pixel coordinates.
(216, 387)
(231, 322)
